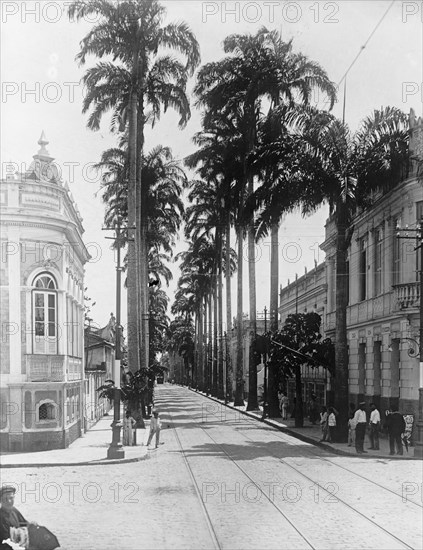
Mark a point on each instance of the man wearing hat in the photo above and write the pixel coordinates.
(9, 515)
(360, 422)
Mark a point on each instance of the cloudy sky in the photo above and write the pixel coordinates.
(41, 91)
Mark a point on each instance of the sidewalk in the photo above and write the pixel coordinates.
(312, 434)
(90, 449)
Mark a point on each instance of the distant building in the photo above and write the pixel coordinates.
(42, 306)
(305, 295)
(99, 367)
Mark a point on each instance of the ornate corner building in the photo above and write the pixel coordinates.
(42, 309)
(383, 313)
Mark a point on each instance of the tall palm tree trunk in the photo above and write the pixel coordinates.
(252, 369)
(215, 333)
(132, 295)
(273, 379)
(229, 371)
(200, 372)
(220, 386)
(239, 388)
(341, 342)
(205, 347)
(210, 343)
(142, 227)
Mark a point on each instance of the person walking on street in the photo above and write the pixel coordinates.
(324, 423)
(284, 406)
(128, 429)
(360, 427)
(396, 426)
(155, 426)
(351, 430)
(374, 427)
(331, 424)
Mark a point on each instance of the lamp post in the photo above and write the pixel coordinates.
(417, 233)
(115, 449)
(263, 347)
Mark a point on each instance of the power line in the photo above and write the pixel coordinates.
(367, 41)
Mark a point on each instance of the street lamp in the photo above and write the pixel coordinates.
(416, 351)
(115, 449)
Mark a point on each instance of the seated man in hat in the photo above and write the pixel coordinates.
(9, 515)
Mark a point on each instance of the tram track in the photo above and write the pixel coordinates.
(209, 523)
(309, 450)
(253, 479)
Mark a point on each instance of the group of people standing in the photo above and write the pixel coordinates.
(357, 425)
(312, 407)
(328, 423)
(129, 426)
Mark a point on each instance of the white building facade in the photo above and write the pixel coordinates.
(42, 309)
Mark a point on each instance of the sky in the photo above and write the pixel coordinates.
(40, 90)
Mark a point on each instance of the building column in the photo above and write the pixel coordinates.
(388, 249)
(330, 268)
(15, 336)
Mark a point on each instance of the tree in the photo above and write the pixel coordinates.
(259, 67)
(299, 343)
(344, 170)
(131, 33)
(218, 161)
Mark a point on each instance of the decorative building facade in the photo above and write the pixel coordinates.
(383, 313)
(42, 309)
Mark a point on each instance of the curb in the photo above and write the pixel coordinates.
(299, 436)
(85, 463)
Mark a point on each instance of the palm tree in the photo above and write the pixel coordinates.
(260, 66)
(217, 160)
(197, 268)
(343, 170)
(131, 33)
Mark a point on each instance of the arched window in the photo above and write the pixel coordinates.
(44, 314)
(47, 411)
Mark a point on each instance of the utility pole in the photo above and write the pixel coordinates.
(264, 414)
(115, 449)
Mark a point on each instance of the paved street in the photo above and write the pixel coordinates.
(223, 480)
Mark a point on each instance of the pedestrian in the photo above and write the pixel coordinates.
(351, 430)
(284, 406)
(396, 426)
(374, 426)
(280, 394)
(360, 427)
(10, 519)
(128, 429)
(324, 422)
(331, 424)
(155, 426)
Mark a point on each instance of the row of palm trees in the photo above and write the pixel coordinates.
(136, 78)
(263, 151)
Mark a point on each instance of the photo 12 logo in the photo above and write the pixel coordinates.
(28, 11)
(269, 12)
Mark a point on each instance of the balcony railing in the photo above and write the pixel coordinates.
(407, 295)
(45, 368)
